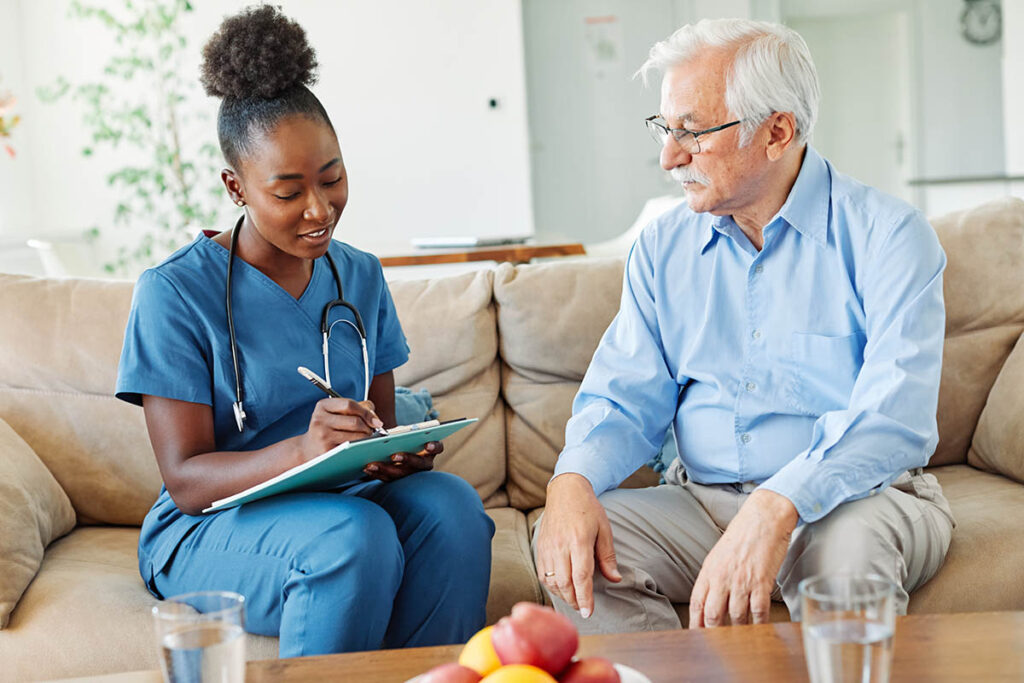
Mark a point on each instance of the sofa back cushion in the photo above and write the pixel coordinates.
(551, 317)
(35, 511)
(984, 291)
(61, 342)
(452, 332)
(998, 444)
(58, 370)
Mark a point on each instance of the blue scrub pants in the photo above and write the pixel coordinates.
(402, 564)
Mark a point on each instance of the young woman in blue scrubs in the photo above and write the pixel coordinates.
(401, 560)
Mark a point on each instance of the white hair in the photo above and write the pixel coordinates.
(772, 70)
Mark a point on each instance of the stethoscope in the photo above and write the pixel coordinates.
(325, 331)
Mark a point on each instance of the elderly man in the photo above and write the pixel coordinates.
(788, 321)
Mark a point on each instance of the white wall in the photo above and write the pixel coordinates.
(594, 166)
(1013, 87)
(407, 84)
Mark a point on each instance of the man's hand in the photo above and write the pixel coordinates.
(573, 533)
(738, 575)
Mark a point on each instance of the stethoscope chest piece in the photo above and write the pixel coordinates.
(239, 415)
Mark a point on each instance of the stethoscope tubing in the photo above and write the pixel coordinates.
(325, 330)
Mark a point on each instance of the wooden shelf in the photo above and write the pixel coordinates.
(514, 253)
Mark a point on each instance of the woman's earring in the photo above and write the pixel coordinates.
(240, 202)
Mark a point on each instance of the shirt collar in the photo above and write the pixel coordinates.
(806, 207)
(717, 224)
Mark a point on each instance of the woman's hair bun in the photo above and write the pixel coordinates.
(258, 52)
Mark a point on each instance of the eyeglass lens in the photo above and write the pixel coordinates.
(684, 138)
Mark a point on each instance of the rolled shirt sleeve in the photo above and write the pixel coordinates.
(890, 423)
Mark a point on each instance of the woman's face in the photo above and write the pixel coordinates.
(295, 186)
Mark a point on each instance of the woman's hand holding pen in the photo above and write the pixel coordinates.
(335, 421)
(403, 464)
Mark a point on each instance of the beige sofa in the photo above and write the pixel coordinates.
(508, 346)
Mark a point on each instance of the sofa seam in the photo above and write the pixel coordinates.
(52, 392)
(528, 557)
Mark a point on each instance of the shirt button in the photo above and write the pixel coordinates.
(756, 334)
(751, 386)
(758, 268)
(816, 507)
(745, 438)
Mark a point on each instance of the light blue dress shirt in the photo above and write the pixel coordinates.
(810, 367)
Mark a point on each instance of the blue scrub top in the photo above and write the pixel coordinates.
(176, 346)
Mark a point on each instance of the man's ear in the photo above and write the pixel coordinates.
(233, 185)
(781, 134)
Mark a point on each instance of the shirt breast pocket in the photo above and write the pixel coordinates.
(823, 370)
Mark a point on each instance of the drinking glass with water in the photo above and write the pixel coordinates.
(202, 637)
(848, 626)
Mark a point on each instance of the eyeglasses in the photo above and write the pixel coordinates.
(689, 140)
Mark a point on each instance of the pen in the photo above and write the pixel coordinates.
(320, 384)
(408, 428)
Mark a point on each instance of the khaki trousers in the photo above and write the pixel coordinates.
(662, 535)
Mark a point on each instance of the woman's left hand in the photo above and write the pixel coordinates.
(403, 464)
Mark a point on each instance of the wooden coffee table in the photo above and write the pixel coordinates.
(978, 646)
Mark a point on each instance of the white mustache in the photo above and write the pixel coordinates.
(684, 174)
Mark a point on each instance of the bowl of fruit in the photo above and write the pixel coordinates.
(535, 644)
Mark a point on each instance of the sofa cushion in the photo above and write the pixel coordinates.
(984, 291)
(513, 577)
(998, 444)
(89, 597)
(982, 571)
(88, 613)
(551, 317)
(57, 376)
(35, 511)
(109, 473)
(450, 325)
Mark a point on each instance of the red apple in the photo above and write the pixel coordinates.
(590, 670)
(535, 635)
(450, 673)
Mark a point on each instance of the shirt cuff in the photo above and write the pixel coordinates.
(582, 461)
(811, 491)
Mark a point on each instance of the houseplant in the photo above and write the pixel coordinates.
(146, 106)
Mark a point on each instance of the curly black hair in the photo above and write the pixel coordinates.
(259, 62)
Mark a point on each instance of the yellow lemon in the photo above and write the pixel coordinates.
(478, 654)
(519, 673)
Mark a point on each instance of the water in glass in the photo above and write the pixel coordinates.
(213, 652)
(848, 651)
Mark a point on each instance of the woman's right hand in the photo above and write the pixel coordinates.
(335, 421)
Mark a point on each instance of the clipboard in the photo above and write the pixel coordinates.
(342, 464)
